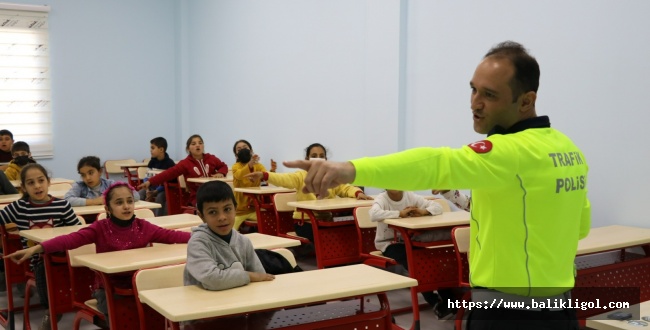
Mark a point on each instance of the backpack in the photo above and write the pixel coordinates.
(274, 263)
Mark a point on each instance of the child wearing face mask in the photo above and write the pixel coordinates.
(22, 156)
(296, 180)
(247, 162)
(120, 231)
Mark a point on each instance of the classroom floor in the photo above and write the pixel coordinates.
(397, 299)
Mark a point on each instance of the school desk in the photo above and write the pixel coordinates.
(7, 199)
(16, 183)
(263, 241)
(44, 234)
(637, 311)
(204, 180)
(264, 209)
(132, 177)
(335, 242)
(606, 262)
(176, 221)
(110, 263)
(288, 290)
(97, 209)
(434, 267)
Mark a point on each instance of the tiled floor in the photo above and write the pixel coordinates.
(397, 299)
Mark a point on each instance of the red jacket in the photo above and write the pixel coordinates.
(192, 168)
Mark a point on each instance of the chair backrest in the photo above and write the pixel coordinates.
(144, 213)
(442, 202)
(101, 216)
(81, 278)
(287, 255)
(142, 172)
(110, 166)
(81, 219)
(155, 278)
(362, 216)
(181, 181)
(366, 230)
(460, 237)
(86, 249)
(62, 186)
(280, 201)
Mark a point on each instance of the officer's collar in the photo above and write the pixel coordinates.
(535, 122)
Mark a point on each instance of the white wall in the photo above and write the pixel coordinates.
(285, 74)
(595, 63)
(113, 79)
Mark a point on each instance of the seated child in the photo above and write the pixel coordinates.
(21, 157)
(296, 180)
(120, 231)
(160, 160)
(247, 162)
(393, 204)
(219, 258)
(6, 142)
(197, 164)
(37, 209)
(89, 190)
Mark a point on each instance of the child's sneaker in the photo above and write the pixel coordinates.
(46, 323)
(442, 311)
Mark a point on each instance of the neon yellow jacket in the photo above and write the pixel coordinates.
(529, 203)
(296, 180)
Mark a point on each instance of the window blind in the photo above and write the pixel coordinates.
(25, 106)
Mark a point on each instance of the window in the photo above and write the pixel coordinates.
(25, 107)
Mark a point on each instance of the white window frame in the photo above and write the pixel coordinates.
(25, 95)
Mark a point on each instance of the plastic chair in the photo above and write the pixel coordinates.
(460, 237)
(284, 216)
(287, 255)
(443, 202)
(111, 167)
(81, 219)
(101, 216)
(177, 197)
(366, 230)
(144, 213)
(82, 280)
(14, 274)
(60, 187)
(155, 278)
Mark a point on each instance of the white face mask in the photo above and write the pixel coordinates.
(316, 159)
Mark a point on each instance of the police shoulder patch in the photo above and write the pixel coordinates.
(481, 147)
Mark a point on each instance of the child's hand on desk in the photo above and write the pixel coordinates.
(406, 212)
(364, 196)
(22, 255)
(259, 277)
(95, 201)
(218, 175)
(254, 176)
(416, 212)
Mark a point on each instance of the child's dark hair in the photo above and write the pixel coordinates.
(189, 141)
(234, 147)
(20, 146)
(6, 132)
(23, 175)
(308, 150)
(159, 142)
(108, 193)
(92, 161)
(214, 191)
